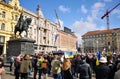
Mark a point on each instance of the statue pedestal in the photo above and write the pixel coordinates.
(20, 46)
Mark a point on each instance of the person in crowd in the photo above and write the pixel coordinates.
(11, 62)
(90, 60)
(49, 57)
(25, 66)
(67, 69)
(112, 66)
(117, 60)
(117, 74)
(77, 63)
(35, 67)
(39, 64)
(73, 65)
(45, 68)
(102, 71)
(17, 67)
(84, 70)
(95, 59)
(32, 60)
(56, 68)
(1, 67)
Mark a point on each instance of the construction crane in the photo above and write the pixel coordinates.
(107, 15)
(57, 18)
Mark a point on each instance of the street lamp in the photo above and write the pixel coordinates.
(83, 46)
(97, 45)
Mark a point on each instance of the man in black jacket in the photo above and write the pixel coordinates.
(84, 70)
(102, 71)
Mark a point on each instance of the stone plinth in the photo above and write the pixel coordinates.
(20, 46)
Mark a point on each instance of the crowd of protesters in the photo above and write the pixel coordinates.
(80, 66)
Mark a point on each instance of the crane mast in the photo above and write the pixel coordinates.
(57, 18)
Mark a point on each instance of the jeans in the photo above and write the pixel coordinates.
(40, 73)
(57, 76)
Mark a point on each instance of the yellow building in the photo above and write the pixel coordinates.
(9, 14)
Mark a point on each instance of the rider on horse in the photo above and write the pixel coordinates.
(22, 25)
(20, 21)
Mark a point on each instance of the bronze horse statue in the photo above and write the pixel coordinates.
(22, 25)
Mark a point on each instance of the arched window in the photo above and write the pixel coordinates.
(3, 26)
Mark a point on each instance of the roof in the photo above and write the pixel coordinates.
(101, 31)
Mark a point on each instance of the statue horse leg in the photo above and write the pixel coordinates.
(20, 34)
(26, 33)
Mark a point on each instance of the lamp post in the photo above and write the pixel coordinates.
(83, 46)
(97, 45)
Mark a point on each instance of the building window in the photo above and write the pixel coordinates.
(2, 39)
(16, 17)
(3, 26)
(35, 31)
(3, 14)
(15, 7)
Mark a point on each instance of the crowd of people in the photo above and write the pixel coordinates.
(80, 66)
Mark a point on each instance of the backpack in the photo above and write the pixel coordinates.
(44, 64)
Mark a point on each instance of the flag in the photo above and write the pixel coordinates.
(68, 54)
(56, 36)
(97, 62)
(98, 55)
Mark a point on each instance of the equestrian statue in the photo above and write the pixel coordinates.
(22, 25)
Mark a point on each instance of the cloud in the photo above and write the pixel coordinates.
(96, 9)
(116, 11)
(83, 9)
(64, 9)
(107, 0)
(81, 27)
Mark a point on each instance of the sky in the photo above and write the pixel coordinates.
(80, 16)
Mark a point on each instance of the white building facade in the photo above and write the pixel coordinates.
(41, 30)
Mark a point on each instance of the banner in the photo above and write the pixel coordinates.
(68, 54)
